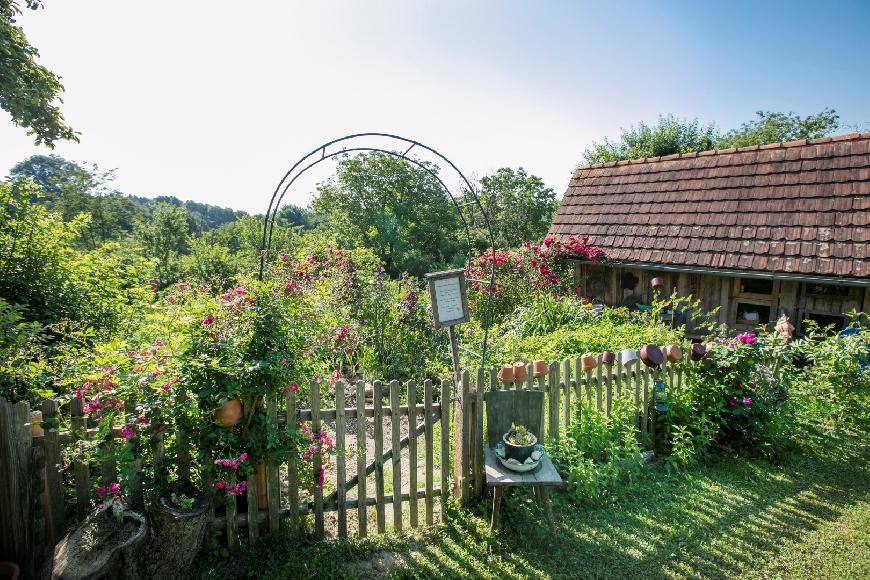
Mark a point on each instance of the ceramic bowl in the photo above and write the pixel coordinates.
(698, 351)
(629, 357)
(651, 355)
(673, 352)
(607, 357)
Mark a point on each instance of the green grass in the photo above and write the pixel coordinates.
(806, 518)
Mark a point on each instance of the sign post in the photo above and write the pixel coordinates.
(450, 307)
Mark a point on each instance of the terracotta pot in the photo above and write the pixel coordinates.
(698, 351)
(657, 282)
(673, 352)
(608, 357)
(229, 414)
(262, 492)
(520, 373)
(36, 429)
(651, 355)
(629, 356)
(588, 361)
(506, 374)
(540, 368)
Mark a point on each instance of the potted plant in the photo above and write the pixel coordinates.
(519, 443)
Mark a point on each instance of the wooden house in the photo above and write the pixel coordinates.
(757, 231)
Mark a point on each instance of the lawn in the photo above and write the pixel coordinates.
(808, 517)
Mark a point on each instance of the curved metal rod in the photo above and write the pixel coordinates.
(272, 210)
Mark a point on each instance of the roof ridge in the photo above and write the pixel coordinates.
(691, 154)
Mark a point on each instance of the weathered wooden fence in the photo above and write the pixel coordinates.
(30, 461)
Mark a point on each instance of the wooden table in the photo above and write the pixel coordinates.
(500, 478)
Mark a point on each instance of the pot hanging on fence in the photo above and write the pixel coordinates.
(520, 373)
(657, 282)
(540, 368)
(698, 351)
(629, 357)
(651, 355)
(673, 352)
(36, 424)
(607, 357)
(588, 361)
(506, 374)
(229, 414)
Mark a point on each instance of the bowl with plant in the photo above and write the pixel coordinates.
(519, 443)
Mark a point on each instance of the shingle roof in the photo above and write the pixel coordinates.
(800, 207)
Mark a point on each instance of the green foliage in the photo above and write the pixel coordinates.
(395, 208)
(770, 127)
(670, 135)
(28, 90)
(23, 375)
(163, 236)
(546, 314)
(519, 207)
(519, 435)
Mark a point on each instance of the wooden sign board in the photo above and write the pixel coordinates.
(448, 297)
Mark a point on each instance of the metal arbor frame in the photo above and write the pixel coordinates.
(340, 146)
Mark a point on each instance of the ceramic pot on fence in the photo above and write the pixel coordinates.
(698, 351)
(629, 357)
(36, 424)
(506, 374)
(651, 355)
(176, 534)
(540, 368)
(229, 414)
(673, 352)
(588, 361)
(607, 357)
(657, 282)
(520, 373)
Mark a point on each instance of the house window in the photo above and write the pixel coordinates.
(827, 290)
(756, 286)
(752, 314)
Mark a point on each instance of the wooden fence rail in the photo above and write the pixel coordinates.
(377, 479)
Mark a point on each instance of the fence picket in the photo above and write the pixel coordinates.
(608, 399)
(379, 455)
(478, 435)
(566, 394)
(361, 494)
(644, 418)
(395, 421)
(553, 389)
(445, 443)
(82, 472)
(412, 449)
(253, 510)
(232, 525)
(599, 403)
(292, 474)
(618, 370)
(430, 448)
(318, 461)
(340, 473)
(53, 467)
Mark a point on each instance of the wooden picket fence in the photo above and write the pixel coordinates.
(34, 462)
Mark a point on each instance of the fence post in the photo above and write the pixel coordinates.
(54, 484)
(445, 442)
(553, 396)
(411, 386)
(478, 435)
(16, 541)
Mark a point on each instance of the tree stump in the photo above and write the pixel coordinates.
(175, 537)
(101, 547)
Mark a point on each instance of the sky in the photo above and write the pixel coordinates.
(213, 101)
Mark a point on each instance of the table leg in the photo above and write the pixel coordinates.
(496, 507)
(548, 510)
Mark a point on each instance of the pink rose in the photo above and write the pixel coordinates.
(747, 401)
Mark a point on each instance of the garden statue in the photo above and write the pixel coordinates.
(785, 328)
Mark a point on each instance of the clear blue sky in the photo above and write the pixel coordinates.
(212, 101)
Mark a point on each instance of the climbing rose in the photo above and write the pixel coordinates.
(746, 338)
(747, 401)
(114, 488)
(207, 320)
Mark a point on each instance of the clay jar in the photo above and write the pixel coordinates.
(520, 373)
(629, 356)
(651, 355)
(588, 361)
(506, 374)
(673, 352)
(229, 414)
(698, 351)
(540, 368)
(607, 357)
(657, 282)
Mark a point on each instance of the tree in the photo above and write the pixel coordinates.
(520, 207)
(164, 236)
(28, 90)
(393, 207)
(769, 127)
(671, 135)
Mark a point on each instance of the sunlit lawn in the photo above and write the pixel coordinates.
(806, 518)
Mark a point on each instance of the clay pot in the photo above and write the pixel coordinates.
(520, 372)
(698, 351)
(229, 414)
(607, 357)
(673, 352)
(540, 368)
(36, 429)
(651, 355)
(588, 361)
(657, 282)
(506, 374)
(629, 357)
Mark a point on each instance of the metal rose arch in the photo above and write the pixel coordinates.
(362, 142)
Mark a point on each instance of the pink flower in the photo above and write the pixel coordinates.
(747, 401)
(143, 419)
(294, 387)
(101, 491)
(220, 484)
(746, 338)
(733, 402)
(284, 360)
(207, 320)
(183, 286)
(243, 456)
(171, 298)
(127, 432)
(114, 488)
(320, 477)
(159, 342)
(203, 289)
(286, 390)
